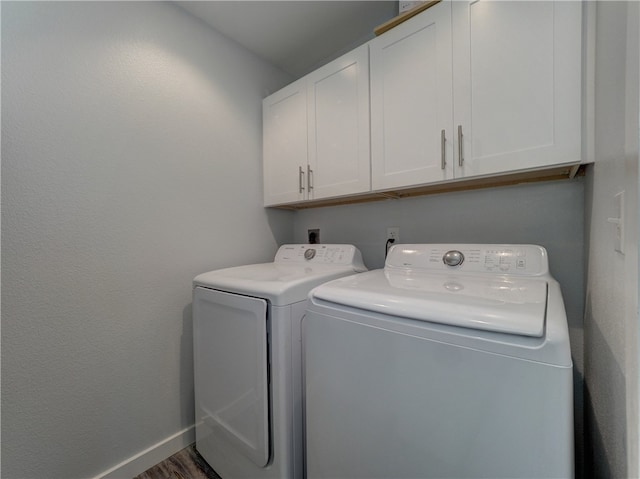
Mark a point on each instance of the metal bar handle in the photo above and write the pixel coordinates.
(443, 155)
(460, 155)
(309, 182)
(300, 180)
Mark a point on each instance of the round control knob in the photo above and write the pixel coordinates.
(453, 258)
(309, 254)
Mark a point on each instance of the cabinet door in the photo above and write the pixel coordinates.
(517, 77)
(338, 119)
(284, 123)
(411, 101)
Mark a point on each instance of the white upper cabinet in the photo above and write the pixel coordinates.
(338, 119)
(502, 79)
(411, 94)
(316, 133)
(517, 84)
(463, 90)
(284, 126)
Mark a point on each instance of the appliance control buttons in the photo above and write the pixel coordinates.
(309, 253)
(453, 258)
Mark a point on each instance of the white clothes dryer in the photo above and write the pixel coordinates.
(451, 362)
(247, 359)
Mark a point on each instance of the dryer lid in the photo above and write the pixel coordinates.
(281, 284)
(499, 303)
(295, 270)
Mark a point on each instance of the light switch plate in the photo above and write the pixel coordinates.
(618, 221)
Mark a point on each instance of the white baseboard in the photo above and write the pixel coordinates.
(150, 457)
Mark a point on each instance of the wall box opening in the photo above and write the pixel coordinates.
(313, 236)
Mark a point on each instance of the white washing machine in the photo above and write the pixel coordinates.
(451, 362)
(248, 383)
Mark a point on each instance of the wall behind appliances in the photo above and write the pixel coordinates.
(549, 214)
(131, 153)
(612, 324)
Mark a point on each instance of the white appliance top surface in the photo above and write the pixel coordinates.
(501, 288)
(295, 270)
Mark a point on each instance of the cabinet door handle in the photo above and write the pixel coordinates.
(300, 179)
(460, 155)
(309, 180)
(443, 155)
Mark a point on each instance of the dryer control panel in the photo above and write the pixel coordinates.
(526, 260)
(330, 254)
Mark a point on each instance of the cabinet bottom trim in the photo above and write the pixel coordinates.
(558, 173)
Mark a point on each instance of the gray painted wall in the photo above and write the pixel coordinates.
(131, 161)
(127, 128)
(611, 319)
(549, 214)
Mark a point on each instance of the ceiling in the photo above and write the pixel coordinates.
(297, 36)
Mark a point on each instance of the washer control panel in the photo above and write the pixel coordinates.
(527, 260)
(338, 254)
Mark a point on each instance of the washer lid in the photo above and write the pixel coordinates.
(500, 303)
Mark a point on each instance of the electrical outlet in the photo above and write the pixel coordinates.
(394, 234)
(313, 236)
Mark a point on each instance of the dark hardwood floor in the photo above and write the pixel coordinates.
(185, 464)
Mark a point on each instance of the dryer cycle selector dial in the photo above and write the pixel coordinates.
(453, 258)
(309, 253)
